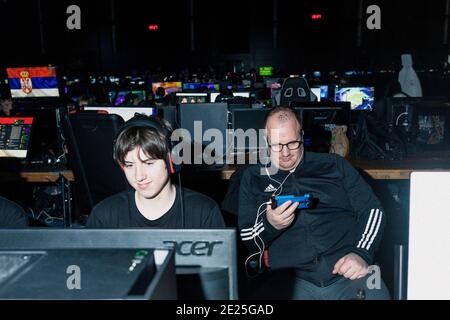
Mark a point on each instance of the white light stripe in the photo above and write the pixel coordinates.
(13, 153)
(376, 231)
(259, 226)
(252, 228)
(253, 236)
(372, 228)
(367, 228)
(18, 93)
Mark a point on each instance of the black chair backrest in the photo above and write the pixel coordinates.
(90, 137)
(295, 89)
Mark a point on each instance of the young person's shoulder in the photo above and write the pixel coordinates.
(114, 202)
(108, 211)
(201, 211)
(11, 214)
(6, 204)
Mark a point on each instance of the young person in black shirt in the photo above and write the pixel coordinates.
(329, 247)
(142, 149)
(11, 215)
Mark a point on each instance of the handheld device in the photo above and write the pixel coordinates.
(304, 201)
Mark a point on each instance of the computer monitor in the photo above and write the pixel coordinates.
(320, 91)
(199, 86)
(72, 274)
(248, 119)
(244, 94)
(269, 82)
(318, 119)
(33, 82)
(360, 98)
(192, 97)
(170, 87)
(316, 92)
(429, 238)
(199, 118)
(206, 259)
(15, 134)
(213, 95)
(422, 122)
(118, 98)
(266, 71)
(126, 112)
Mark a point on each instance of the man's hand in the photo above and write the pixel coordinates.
(281, 218)
(351, 266)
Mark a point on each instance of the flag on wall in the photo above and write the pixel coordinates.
(33, 82)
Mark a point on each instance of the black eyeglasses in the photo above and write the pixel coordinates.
(293, 145)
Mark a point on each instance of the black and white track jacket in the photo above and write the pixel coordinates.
(348, 218)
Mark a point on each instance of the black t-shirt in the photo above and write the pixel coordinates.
(11, 215)
(120, 211)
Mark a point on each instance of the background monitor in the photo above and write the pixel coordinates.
(316, 92)
(33, 82)
(423, 122)
(318, 118)
(360, 98)
(199, 86)
(266, 71)
(192, 97)
(170, 87)
(118, 98)
(213, 95)
(197, 119)
(126, 112)
(15, 136)
(322, 91)
(246, 119)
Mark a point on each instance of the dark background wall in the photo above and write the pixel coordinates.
(114, 36)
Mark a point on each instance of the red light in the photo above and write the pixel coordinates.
(153, 27)
(316, 16)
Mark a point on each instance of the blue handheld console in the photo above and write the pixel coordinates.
(304, 201)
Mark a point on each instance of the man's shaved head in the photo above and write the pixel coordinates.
(283, 115)
(283, 126)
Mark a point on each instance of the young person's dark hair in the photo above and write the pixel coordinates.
(151, 141)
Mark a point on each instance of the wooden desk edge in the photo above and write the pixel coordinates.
(377, 174)
(50, 176)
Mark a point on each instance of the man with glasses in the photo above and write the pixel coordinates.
(328, 248)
